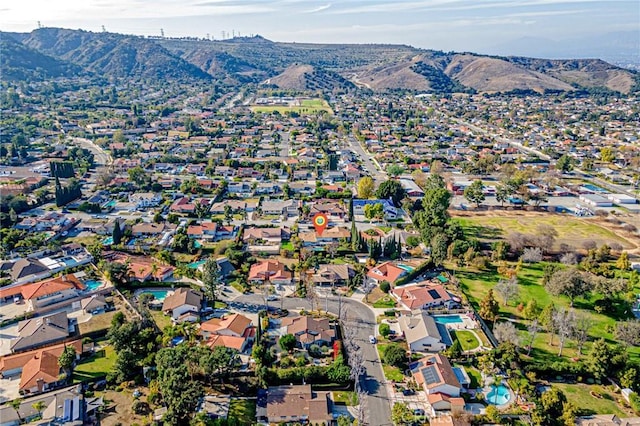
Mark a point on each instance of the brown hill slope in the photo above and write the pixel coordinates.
(486, 74)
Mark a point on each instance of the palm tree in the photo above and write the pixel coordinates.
(15, 404)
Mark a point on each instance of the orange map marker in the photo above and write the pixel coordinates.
(320, 223)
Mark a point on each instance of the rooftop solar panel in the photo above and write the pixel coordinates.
(430, 375)
(434, 294)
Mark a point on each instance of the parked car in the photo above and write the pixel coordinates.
(372, 340)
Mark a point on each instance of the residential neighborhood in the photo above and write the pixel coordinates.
(477, 260)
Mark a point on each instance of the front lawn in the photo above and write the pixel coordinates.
(468, 340)
(97, 365)
(243, 410)
(391, 372)
(345, 397)
(385, 302)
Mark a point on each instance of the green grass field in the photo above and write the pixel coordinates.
(98, 365)
(390, 372)
(476, 284)
(571, 230)
(468, 340)
(580, 394)
(307, 106)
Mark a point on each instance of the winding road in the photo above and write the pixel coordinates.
(361, 319)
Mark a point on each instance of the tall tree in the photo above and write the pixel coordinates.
(67, 359)
(564, 320)
(474, 193)
(533, 329)
(505, 331)
(507, 289)
(211, 280)
(569, 282)
(489, 307)
(391, 189)
(366, 187)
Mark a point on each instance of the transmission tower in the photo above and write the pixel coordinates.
(104, 30)
(39, 24)
(162, 32)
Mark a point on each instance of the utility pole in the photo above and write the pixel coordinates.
(162, 32)
(104, 30)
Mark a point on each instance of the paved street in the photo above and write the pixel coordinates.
(101, 158)
(367, 163)
(360, 318)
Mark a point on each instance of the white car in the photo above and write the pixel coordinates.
(372, 339)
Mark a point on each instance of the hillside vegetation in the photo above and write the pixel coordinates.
(316, 67)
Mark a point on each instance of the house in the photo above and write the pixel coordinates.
(93, 305)
(46, 292)
(607, 420)
(143, 200)
(412, 188)
(390, 211)
(334, 210)
(440, 402)
(435, 374)
(64, 406)
(332, 275)
(142, 268)
(422, 333)
(272, 271)
(38, 369)
(40, 331)
(386, 271)
(294, 404)
(234, 331)
(27, 270)
(143, 229)
(280, 208)
(183, 305)
(329, 235)
(420, 296)
(308, 330)
(203, 231)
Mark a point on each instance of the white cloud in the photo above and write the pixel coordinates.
(318, 9)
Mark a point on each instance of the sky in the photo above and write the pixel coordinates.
(484, 26)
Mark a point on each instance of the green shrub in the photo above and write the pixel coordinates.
(384, 329)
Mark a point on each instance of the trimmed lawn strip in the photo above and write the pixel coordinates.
(468, 340)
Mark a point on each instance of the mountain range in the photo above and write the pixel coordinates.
(55, 52)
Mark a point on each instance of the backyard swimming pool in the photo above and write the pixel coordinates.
(93, 284)
(448, 319)
(159, 295)
(593, 188)
(405, 267)
(196, 265)
(498, 395)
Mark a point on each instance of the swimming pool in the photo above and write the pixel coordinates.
(498, 395)
(593, 188)
(448, 319)
(93, 284)
(405, 267)
(196, 265)
(107, 241)
(159, 295)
